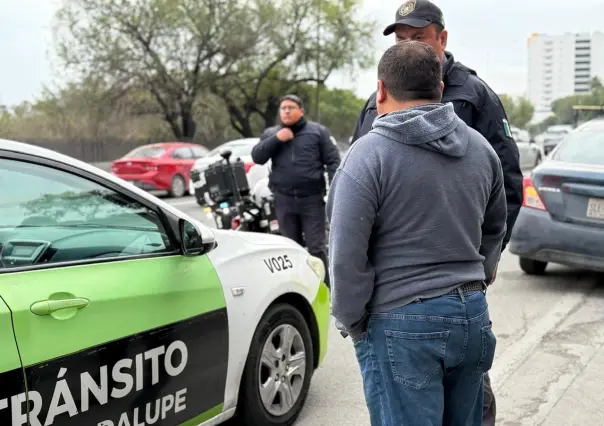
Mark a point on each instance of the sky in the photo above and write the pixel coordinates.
(486, 35)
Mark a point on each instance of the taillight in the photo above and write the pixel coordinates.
(248, 166)
(236, 223)
(531, 197)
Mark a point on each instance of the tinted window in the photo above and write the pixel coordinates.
(50, 216)
(146, 152)
(582, 147)
(182, 153)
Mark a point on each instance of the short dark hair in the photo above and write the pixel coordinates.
(296, 99)
(411, 70)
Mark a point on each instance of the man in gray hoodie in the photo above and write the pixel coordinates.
(418, 216)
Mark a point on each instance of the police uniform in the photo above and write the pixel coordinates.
(297, 180)
(480, 108)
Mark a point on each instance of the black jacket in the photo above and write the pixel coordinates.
(298, 166)
(476, 104)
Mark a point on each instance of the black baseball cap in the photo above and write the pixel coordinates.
(418, 14)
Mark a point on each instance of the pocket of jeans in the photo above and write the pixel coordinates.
(489, 343)
(416, 357)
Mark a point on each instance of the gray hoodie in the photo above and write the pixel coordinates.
(416, 209)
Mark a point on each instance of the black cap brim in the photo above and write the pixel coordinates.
(412, 22)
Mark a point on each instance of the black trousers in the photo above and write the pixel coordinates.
(303, 220)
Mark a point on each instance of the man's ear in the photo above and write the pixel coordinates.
(443, 38)
(381, 94)
(442, 88)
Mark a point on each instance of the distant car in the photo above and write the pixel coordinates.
(530, 154)
(554, 135)
(240, 148)
(562, 215)
(160, 167)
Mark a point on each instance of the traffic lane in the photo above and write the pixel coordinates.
(550, 332)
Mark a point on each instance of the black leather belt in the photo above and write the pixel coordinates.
(469, 287)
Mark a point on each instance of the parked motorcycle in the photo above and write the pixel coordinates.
(234, 203)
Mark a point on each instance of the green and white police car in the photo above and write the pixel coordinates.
(116, 309)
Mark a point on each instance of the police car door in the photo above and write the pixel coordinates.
(114, 325)
(12, 389)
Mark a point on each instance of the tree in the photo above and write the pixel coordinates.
(171, 48)
(177, 51)
(519, 111)
(562, 107)
(309, 39)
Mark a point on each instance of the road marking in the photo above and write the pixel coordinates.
(506, 364)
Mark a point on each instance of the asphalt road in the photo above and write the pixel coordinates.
(549, 365)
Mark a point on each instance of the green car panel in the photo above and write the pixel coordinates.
(321, 308)
(146, 322)
(12, 384)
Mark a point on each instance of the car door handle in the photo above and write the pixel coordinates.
(47, 307)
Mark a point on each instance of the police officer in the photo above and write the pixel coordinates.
(474, 102)
(300, 151)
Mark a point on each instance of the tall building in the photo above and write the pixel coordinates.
(562, 65)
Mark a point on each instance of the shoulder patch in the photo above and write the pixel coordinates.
(506, 127)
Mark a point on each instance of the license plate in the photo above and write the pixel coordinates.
(595, 208)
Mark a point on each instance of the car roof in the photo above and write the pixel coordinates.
(36, 151)
(594, 125)
(168, 145)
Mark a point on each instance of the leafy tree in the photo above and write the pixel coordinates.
(519, 111)
(244, 52)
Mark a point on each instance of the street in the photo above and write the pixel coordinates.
(549, 365)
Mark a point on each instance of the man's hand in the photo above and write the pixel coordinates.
(285, 134)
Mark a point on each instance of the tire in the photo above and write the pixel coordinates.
(252, 411)
(532, 267)
(178, 187)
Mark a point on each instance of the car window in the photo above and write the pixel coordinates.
(51, 216)
(182, 153)
(199, 152)
(582, 147)
(146, 152)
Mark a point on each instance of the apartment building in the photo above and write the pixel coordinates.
(562, 65)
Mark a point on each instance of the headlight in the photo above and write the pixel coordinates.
(317, 266)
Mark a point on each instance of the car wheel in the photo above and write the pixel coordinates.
(177, 187)
(532, 267)
(278, 370)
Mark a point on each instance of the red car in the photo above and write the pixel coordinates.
(160, 167)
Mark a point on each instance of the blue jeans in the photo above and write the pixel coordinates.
(423, 363)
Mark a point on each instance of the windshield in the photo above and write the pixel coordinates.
(237, 149)
(146, 152)
(582, 147)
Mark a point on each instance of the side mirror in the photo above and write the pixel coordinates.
(226, 154)
(195, 240)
